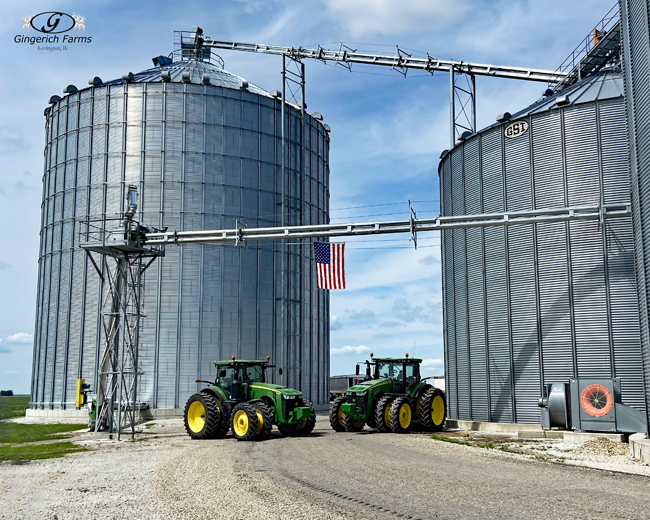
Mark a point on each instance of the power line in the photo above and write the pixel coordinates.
(386, 204)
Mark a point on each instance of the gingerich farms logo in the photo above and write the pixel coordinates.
(51, 27)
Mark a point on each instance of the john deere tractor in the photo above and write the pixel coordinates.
(240, 399)
(392, 398)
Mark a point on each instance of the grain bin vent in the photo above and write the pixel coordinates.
(592, 404)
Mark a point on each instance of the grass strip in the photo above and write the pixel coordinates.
(38, 451)
(17, 433)
(13, 406)
(450, 439)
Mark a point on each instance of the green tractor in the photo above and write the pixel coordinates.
(240, 399)
(392, 398)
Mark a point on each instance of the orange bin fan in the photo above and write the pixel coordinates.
(596, 400)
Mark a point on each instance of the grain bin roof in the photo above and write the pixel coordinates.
(604, 85)
(196, 68)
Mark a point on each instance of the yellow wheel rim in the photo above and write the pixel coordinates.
(405, 415)
(358, 424)
(196, 416)
(438, 410)
(387, 414)
(260, 420)
(240, 423)
(339, 415)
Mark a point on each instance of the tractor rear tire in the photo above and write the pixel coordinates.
(265, 417)
(305, 426)
(382, 413)
(351, 425)
(286, 429)
(336, 415)
(433, 410)
(245, 424)
(203, 416)
(401, 415)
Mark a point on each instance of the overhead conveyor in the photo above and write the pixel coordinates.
(412, 226)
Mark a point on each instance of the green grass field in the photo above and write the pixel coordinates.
(37, 451)
(14, 406)
(17, 440)
(16, 433)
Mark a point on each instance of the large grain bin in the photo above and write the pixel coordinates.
(204, 148)
(636, 66)
(532, 304)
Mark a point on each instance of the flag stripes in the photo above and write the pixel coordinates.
(330, 265)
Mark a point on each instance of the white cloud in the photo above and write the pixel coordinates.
(389, 268)
(361, 349)
(428, 260)
(371, 17)
(363, 314)
(431, 362)
(21, 337)
(335, 323)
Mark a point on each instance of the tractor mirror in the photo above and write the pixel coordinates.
(280, 371)
(357, 372)
(222, 373)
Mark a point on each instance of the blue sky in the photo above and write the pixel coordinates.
(387, 132)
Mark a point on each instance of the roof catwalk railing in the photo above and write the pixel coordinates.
(412, 226)
(599, 48)
(400, 61)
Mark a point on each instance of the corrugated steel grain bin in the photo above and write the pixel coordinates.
(532, 304)
(636, 66)
(203, 156)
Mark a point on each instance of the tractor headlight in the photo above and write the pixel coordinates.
(288, 396)
(362, 394)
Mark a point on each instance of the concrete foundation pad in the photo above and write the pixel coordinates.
(640, 447)
(479, 426)
(81, 416)
(58, 414)
(580, 437)
(544, 434)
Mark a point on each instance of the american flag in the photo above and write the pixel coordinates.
(330, 265)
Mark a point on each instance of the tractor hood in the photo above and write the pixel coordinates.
(278, 389)
(367, 385)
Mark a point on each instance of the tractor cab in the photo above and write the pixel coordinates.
(404, 373)
(234, 377)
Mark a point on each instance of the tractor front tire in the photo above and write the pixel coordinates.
(371, 422)
(433, 410)
(286, 429)
(245, 424)
(336, 415)
(265, 418)
(382, 413)
(305, 426)
(351, 425)
(203, 417)
(401, 415)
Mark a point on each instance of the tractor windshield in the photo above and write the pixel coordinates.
(391, 370)
(251, 374)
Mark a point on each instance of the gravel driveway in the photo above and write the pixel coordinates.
(165, 474)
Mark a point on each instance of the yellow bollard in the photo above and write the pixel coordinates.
(79, 398)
